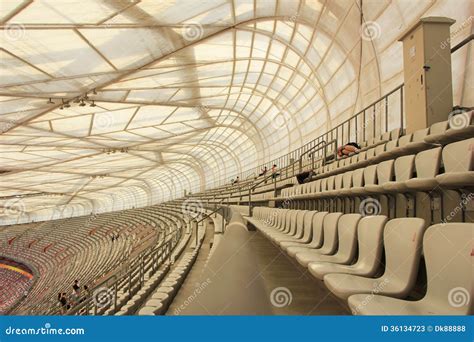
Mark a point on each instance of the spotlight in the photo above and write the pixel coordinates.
(92, 104)
(82, 104)
(49, 101)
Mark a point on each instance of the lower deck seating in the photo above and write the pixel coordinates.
(373, 262)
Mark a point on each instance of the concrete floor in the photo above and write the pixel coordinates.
(248, 275)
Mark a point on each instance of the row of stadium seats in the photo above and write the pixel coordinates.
(346, 252)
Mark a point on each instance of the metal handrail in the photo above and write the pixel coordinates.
(316, 148)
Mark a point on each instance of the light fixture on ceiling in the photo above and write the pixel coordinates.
(92, 104)
(50, 101)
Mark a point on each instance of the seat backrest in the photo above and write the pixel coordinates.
(448, 254)
(385, 136)
(330, 233)
(369, 236)
(438, 127)
(338, 181)
(402, 241)
(347, 179)
(347, 236)
(330, 183)
(317, 229)
(395, 133)
(315, 186)
(290, 224)
(427, 163)
(370, 153)
(361, 156)
(358, 177)
(379, 149)
(404, 168)
(324, 183)
(458, 156)
(420, 134)
(370, 174)
(404, 140)
(385, 171)
(299, 223)
(308, 224)
(392, 144)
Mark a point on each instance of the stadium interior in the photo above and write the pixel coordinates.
(236, 157)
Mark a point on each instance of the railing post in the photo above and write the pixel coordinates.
(250, 202)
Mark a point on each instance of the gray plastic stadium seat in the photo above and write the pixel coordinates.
(458, 163)
(460, 127)
(366, 176)
(402, 241)
(450, 291)
(369, 237)
(296, 231)
(404, 169)
(427, 166)
(418, 142)
(385, 174)
(306, 229)
(347, 243)
(329, 245)
(316, 236)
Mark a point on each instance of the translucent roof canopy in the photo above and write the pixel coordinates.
(107, 105)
